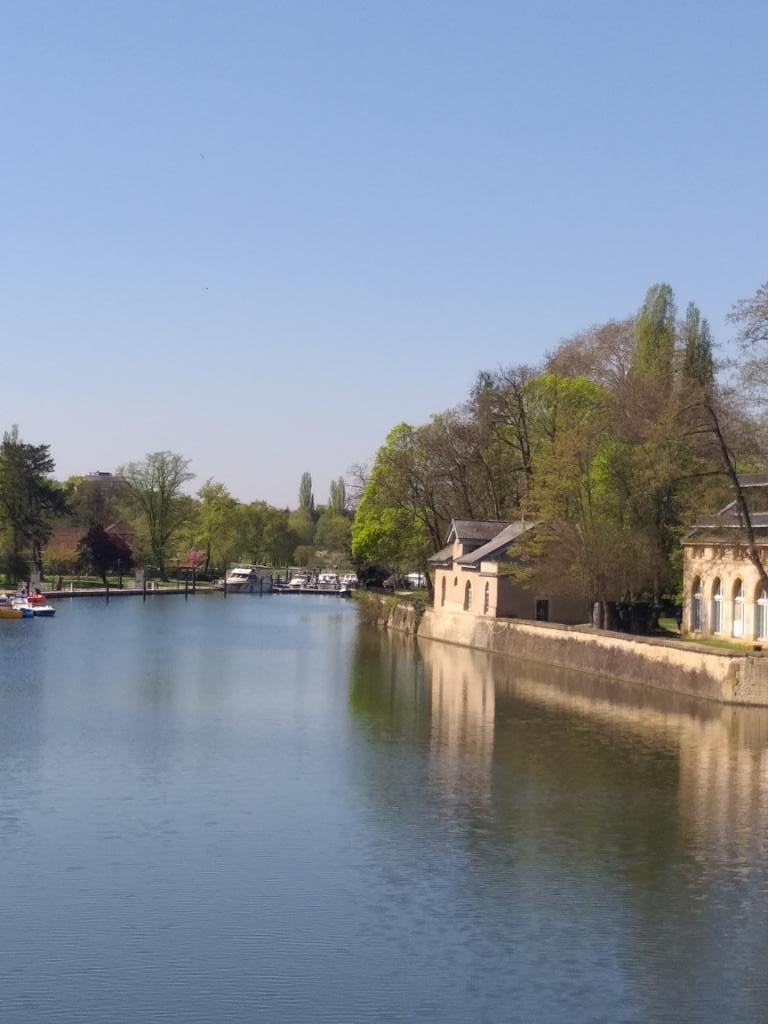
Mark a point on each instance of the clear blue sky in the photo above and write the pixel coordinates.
(260, 234)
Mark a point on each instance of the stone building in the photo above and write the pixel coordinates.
(473, 575)
(723, 595)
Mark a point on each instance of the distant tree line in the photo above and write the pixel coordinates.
(143, 515)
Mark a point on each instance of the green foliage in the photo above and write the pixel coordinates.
(216, 522)
(155, 487)
(389, 527)
(698, 362)
(655, 333)
(29, 499)
(333, 532)
(337, 500)
(306, 497)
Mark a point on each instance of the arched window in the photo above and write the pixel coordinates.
(442, 592)
(696, 605)
(717, 607)
(487, 598)
(467, 596)
(761, 618)
(737, 610)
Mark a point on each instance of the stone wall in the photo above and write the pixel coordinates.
(727, 676)
(387, 612)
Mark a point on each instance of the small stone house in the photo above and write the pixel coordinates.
(472, 575)
(723, 595)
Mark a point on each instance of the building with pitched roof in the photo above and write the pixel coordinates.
(723, 594)
(474, 574)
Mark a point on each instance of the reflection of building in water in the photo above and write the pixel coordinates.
(722, 752)
(462, 720)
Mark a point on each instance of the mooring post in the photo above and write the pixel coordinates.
(225, 579)
(144, 589)
(107, 592)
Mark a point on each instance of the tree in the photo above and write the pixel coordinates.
(706, 416)
(215, 520)
(104, 552)
(155, 486)
(655, 335)
(29, 499)
(752, 316)
(337, 500)
(333, 534)
(586, 542)
(306, 497)
(395, 523)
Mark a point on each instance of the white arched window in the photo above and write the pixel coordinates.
(717, 607)
(442, 592)
(467, 596)
(696, 605)
(487, 598)
(737, 610)
(761, 617)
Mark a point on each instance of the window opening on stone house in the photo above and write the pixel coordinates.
(717, 607)
(761, 618)
(737, 610)
(467, 596)
(696, 596)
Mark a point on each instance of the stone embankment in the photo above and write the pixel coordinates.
(386, 612)
(731, 677)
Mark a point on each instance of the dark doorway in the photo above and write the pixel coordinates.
(542, 610)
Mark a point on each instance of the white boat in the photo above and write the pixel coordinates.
(249, 579)
(350, 579)
(298, 582)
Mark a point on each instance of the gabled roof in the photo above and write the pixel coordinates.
(468, 531)
(495, 548)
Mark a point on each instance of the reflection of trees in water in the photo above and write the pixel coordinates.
(387, 685)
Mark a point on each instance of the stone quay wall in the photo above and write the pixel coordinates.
(731, 677)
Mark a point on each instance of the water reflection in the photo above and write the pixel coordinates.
(716, 756)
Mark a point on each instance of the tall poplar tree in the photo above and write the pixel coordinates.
(698, 363)
(306, 497)
(655, 335)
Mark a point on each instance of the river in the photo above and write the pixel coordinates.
(256, 810)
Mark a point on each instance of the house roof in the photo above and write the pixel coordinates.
(496, 547)
(727, 523)
(474, 530)
(442, 558)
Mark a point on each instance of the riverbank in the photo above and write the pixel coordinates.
(730, 677)
(677, 666)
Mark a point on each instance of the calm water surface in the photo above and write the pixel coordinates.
(254, 810)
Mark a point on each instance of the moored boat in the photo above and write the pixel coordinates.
(7, 611)
(249, 579)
